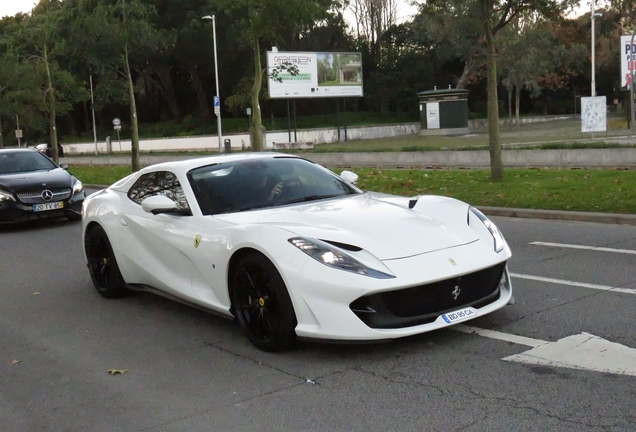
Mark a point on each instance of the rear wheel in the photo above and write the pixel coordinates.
(102, 265)
(262, 304)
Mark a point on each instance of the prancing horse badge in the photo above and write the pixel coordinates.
(197, 241)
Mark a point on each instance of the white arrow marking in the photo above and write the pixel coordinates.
(594, 248)
(583, 351)
(576, 284)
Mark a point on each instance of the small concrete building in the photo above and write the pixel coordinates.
(444, 112)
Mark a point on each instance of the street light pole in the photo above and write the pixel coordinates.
(93, 109)
(593, 51)
(216, 76)
(631, 83)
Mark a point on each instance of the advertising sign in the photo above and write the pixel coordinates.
(628, 60)
(320, 74)
(593, 114)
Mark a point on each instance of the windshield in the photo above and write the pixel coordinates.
(253, 184)
(24, 161)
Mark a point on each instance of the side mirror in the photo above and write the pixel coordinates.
(64, 166)
(158, 204)
(349, 176)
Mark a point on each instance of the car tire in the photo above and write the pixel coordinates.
(262, 304)
(102, 264)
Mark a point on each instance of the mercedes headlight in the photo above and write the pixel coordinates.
(78, 187)
(5, 196)
(494, 231)
(334, 257)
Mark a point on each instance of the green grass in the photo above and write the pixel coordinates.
(605, 191)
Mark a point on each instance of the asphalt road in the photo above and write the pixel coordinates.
(188, 370)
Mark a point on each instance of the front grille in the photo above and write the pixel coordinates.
(35, 197)
(424, 303)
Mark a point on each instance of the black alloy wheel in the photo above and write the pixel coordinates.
(262, 304)
(102, 265)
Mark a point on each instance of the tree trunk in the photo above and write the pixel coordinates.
(204, 106)
(52, 110)
(496, 162)
(517, 104)
(134, 142)
(1, 138)
(168, 91)
(256, 134)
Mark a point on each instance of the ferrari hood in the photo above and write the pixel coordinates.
(385, 229)
(28, 181)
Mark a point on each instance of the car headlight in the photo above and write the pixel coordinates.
(494, 231)
(78, 187)
(5, 196)
(333, 257)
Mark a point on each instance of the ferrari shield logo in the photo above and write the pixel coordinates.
(197, 241)
(452, 261)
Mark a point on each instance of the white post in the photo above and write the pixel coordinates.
(631, 84)
(93, 109)
(593, 52)
(216, 76)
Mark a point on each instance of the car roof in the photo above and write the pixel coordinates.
(16, 150)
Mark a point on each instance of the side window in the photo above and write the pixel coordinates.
(158, 183)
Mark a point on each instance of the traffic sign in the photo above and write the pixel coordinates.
(217, 101)
(116, 122)
(18, 133)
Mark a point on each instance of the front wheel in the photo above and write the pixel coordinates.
(262, 304)
(102, 264)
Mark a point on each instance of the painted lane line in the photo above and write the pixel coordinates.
(575, 284)
(593, 248)
(492, 334)
(583, 351)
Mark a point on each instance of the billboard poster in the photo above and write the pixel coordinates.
(628, 60)
(320, 74)
(593, 114)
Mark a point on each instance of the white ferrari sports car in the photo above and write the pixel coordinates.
(291, 250)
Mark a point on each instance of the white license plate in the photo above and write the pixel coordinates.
(48, 206)
(459, 315)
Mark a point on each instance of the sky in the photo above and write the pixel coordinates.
(12, 7)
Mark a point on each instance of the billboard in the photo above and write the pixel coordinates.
(628, 59)
(320, 74)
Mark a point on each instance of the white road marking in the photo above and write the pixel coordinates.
(583, 351)
(492, 334)
(594, 248)
(576, 284)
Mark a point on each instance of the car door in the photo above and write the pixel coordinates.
(161, 249)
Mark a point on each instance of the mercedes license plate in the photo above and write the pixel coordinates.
(459, 315)
(48, 206)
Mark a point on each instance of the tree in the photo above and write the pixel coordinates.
(106, 35)
(273, 22)
(529, 51)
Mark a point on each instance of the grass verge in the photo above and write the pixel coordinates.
(604, 191)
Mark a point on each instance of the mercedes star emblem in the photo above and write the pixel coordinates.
(47, 195)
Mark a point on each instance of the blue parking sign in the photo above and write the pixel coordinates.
(217, 101)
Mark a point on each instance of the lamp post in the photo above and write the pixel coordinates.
(593, 51)
(217, 108)
(93, 110)
(631, 83)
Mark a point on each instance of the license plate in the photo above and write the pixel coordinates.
(48, 206)
(459, 315)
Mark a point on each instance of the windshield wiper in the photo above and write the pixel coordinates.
(308, 198)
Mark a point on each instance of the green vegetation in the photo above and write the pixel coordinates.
(606, 191)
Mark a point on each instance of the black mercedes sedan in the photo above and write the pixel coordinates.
(32, 186)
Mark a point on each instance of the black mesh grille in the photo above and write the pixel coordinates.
(421, 304)
(35, 197)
